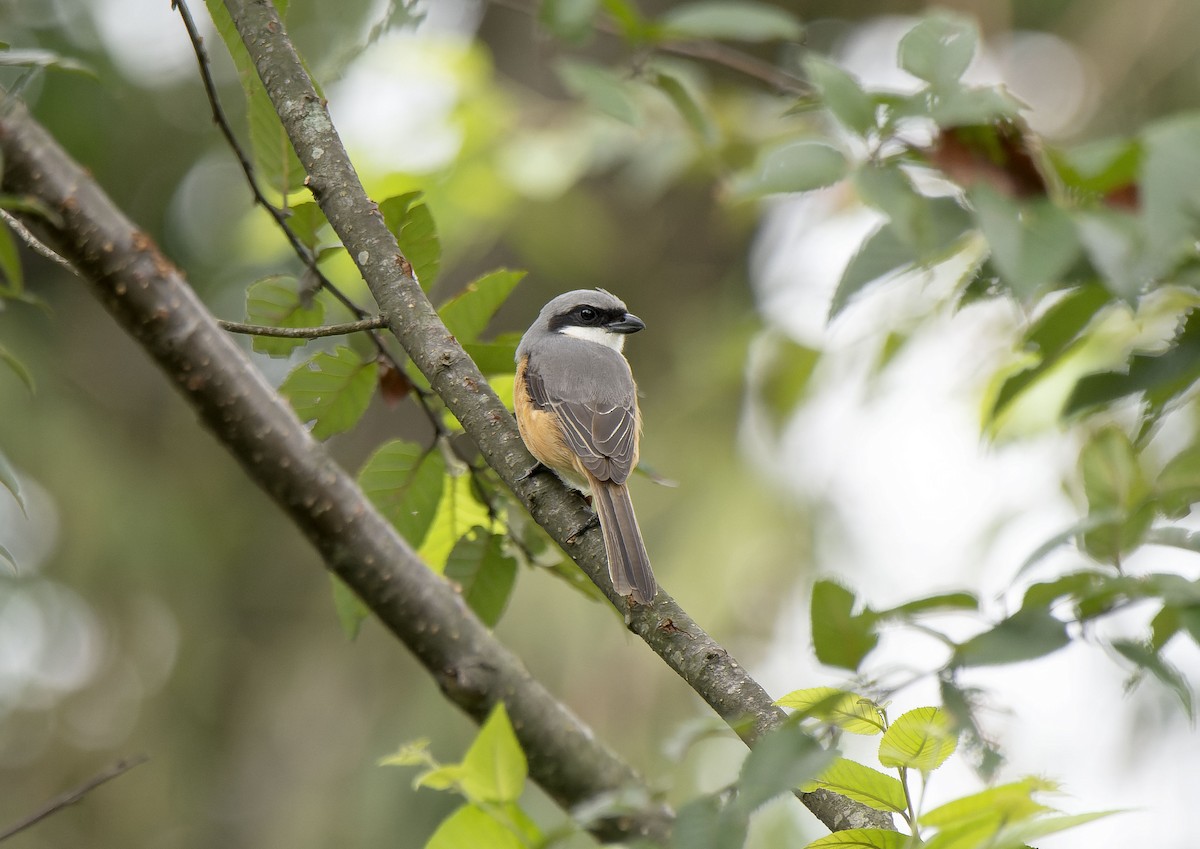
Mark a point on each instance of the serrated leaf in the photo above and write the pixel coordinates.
(605, 91)
(848, 711)
(921, 739)
(411, 222)
(331, 390)
(278, 302)
(18, 368)
(467, 314)
(798, 166)
(882, 253)
(861, 783)
(862, 838)
(405, 484)
(729, 19)
(1010, 802)
(351, 611)
(13, 282)
(484, 573)
(458, 511)
(412, 753)
(780, 761)
(494, 768)
(939, 48)
(841, 94)
(841, 637)
(1027, 634)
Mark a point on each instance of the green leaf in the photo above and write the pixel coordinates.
(931, 604)
(10, 481)
(411, 222)
(278, 302)
(780, 761)
(862, 838)
(470, 827)
(1169, 190)
(495, 357)
(927, 225)
(688, 106)
(570, 20)
(18, 368)
(458, 511)
(307, 220)
(405, 484)
(730, 19)
(331, 390)
(1113, 481)
(848, 711)
(798, 166)
(883, 253)
(413, 753)
(784, 374)
(1021, 834)
(921, 739)
(1177, 487)
(708, 823)
(939, 49)
(494, 768)
(13, 282)
(1033, 244)
(1098, 167)
(351, 611)
(863, 784)
(841, 637)
(467, 314)
(1027, 634)
(484, 573)
(1152, 661)
(605, 91)
(841, 94)
(1006, 803)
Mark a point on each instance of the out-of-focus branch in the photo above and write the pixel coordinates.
(707, 667)
(151, 299)
(72, 796)
(372, 323)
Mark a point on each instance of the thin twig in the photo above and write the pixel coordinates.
(72, 796)
(371, 323)
(24, 234)
(708, 51)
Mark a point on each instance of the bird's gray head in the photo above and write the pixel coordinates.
(591, 314)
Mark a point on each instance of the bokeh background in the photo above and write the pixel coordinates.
(163, 606)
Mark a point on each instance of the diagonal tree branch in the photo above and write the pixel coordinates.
(151, 299)
(707, 667)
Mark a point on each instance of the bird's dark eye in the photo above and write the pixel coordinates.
(588, 315)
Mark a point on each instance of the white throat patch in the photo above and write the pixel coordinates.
(599, 335)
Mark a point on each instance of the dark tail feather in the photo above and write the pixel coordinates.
(628, 563)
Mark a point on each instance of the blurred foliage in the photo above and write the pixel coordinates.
(636, 142)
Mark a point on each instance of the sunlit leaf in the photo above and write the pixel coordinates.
(471, 826)
(1006, 803)
(861, 838)
(738, 20)
(412, 753)
(841, 637)
(483, 572)
(278, 302)
(331, 390)
(405, 484)
(494, 768)
(458, 511)
(861, 783)
(921, 739)
(1021, 834)
(467, 314)
(848, 711)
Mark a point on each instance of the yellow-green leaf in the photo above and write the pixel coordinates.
(494, 768)
(920, 739)
(863, 784)
(848, 711)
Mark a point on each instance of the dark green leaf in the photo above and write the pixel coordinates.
(841, 94)
(278, 302)
(960, 705)
(411, 222)
(405, 484)
(939, 49)
(841, 637)
(307, 220)
(1084, 525)
(484, 573)
(1045, 594)
(1033, 244)
(331, 390)
(780, 761)
(605, 91)
(931, 604)
(495, 357)
(1153, 662)
(1027, 634)
(738, 20)
(467, 314)
(883, 253)
(13, 282)
(706, 823)
(351, 611)
(1098, 167)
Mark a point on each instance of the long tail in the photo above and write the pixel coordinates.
(628, 563)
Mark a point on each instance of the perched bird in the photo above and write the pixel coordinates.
(577, 411)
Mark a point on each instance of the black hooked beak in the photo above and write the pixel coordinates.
(628, 323)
